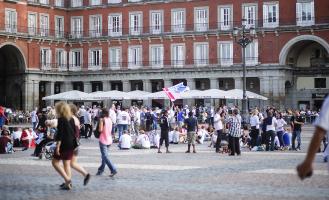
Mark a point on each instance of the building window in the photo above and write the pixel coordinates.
(45, 58)
(271, 15)
(95, 2)
(135, 23)
(76, 3)
(76, 27)
(225, 18)
(115, 24)
(249, 13)
(201, 19)
(178, 20)
(32, 23)
(59, 27)
(95, 59)
(201, 53)
(114, 1)
(252, 53)
(156, 55)
(44, 25)
(115, 57)
(61, 59)
(59, 3)
(320, 83)
(11, 21)
(75, 59)
(305, 13)
(225, 54)
(135, 56)
(45, 2)
(95, 26)
(156, 22)
(178, 55)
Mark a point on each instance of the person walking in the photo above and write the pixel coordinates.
(297, 121)
(87, 123)
(105, 141)
(280, 128)
(305, 169)
(164, 125)
(234, 130)
(191, 124)
(254, 124)
(218, 125)
(65, 144)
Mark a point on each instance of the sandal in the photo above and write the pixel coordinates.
(67, 186)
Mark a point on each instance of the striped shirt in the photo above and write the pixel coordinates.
(234, 126)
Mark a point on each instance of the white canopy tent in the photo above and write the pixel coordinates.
(73, 95)
(238, 94)
(113, 94)
(159, 95)
(138, 94)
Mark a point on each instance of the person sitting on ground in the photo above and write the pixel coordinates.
(17, 137)
(176, 135)
(125, 141)
(5, 142)
(202, 134)
(170, 136)
(213, 136)
(183, 136)
(142, 141)
(26, 139)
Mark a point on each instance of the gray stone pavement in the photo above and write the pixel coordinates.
(144, 174)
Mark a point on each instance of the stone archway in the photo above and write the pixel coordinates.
(12, 67)
(289, 45)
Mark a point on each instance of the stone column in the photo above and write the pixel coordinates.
(67, 86)
(238, 83)
(191, 83)
(147, 85)
(214, 84)
(167, 83)
(265, 86)
(87, 87)
(106, 86)
(50, 90)
(125, 86)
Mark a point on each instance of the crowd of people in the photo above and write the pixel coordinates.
(145, 128)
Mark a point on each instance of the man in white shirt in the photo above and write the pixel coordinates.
(142, 141)
(87, 122)
(123, 119)
(34, 118)
(218, 125)
(125, 141)
(254, 124)
(113, 116)
(305, 169)
(137, 120)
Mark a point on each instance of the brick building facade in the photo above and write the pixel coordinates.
(51, 46)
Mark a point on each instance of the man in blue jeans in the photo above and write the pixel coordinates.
(297, 122)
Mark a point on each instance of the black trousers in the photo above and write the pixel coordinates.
(234, 145)
(164, 137)
(254, 133)
(270, 135)
(219, 139)
(88, 130)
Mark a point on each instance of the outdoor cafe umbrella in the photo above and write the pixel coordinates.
(73, 95)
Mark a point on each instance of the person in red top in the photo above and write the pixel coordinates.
(4, 139)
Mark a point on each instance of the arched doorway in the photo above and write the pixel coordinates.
(12, 67)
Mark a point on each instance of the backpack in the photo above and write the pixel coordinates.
(96, 132)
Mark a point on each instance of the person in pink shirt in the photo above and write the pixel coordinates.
(105, 141)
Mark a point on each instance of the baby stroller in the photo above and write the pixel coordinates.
(48, 150)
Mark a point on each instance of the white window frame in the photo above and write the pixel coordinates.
(62, 61)
(252, 60)
(93, 63)
(11, 20)
(223, 24)
(299, 13)
(95, 2)
(45, 62)
(76, 3)
(136, 30)
(95, 31)
(252, 18)
(32, 27)
(44, 27)
(45, 2)
(224, 61)
(77, 33)
(118, 61)
(178, 27)
(156, 28)
(135, 63)
(111, 28)
(114, 1)
(72, 64)
(201, 25)
(174, 61)
(201, 61)
(59, 33)
(59, 3)
(268, 20)
(154, 62)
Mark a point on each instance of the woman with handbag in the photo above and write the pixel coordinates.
(105, 141)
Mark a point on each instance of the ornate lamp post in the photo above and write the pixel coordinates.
(241, 38)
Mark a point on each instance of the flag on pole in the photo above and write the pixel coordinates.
(172, 91)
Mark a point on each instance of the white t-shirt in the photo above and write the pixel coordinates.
(123, 117)
(125, 141)
(113, 116)
(280, 124)
(175, 137)
(144, 141)
(323, 120)
(171, 136)
(272, 126)
(218, 124)
(254, 121)
(17, 135)
(203, 134)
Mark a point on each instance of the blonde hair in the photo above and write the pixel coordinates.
(63, 110)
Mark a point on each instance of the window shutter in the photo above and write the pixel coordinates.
(118, 57)
(256, 51)
(265, 14)
(131, 23)
(100, 58)
(312, 11)
(298, 12)
(64, 58)
(90, 59)
(110, 23)
(161, 55)
(130, 58)
(231, 53)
